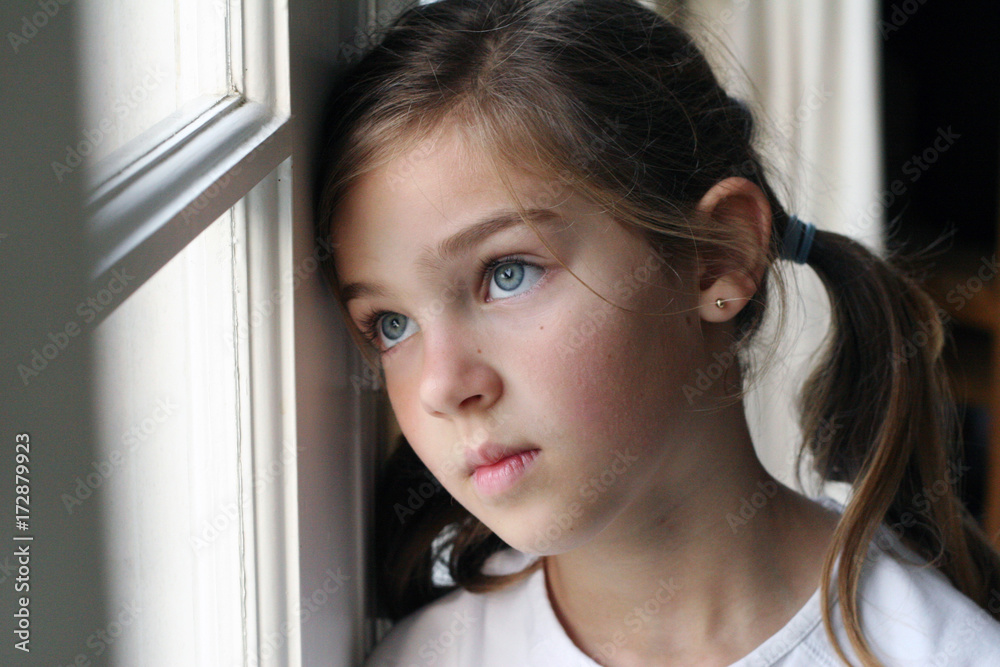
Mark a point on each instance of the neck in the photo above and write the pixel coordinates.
(696, 571)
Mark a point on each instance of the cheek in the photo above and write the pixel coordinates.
(434, 439)
(598, 358)
(406, 408)
(602, 377)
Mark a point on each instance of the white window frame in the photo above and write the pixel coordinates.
(162, 195)
(252, 149)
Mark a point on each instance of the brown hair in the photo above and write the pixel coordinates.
(608, 98)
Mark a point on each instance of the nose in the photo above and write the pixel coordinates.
(456, 376)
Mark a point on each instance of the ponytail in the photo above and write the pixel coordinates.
(882, 383)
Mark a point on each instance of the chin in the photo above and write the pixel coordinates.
(556, 535)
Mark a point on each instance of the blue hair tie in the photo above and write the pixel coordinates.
(798, 240)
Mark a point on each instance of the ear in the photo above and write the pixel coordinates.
(734, 201)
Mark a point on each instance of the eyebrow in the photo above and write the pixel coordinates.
(457, 244)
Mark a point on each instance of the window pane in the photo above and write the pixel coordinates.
(169, 465)
(143, 60)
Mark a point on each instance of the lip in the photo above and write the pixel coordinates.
(495, 469)
(490, 453)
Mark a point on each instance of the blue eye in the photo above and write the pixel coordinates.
(394, 325)
(384, 329)
(513, 278)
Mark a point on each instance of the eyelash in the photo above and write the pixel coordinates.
(370, 322)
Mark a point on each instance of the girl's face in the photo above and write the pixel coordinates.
(521, 353)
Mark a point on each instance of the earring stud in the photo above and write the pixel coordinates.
(720, 301)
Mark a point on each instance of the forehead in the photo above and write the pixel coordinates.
(428, 193)
(420, 178)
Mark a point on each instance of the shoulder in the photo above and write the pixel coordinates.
(914, 615)
(452, 630)
(430, 635)
(911, 616)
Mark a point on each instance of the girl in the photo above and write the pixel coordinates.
(551, 226)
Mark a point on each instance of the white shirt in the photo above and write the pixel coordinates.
(911, 615)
